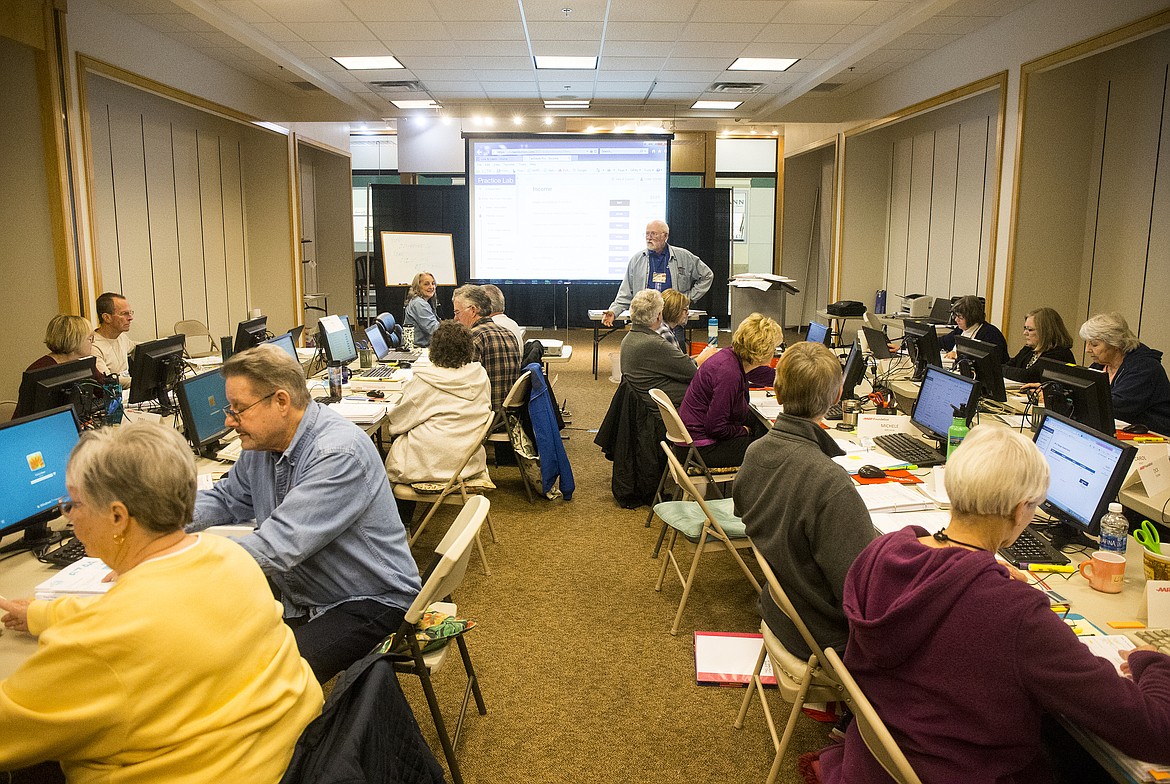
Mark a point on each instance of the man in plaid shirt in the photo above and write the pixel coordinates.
(495, 346)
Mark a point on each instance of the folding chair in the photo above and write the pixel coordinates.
(447, 495)
(443, 577)
(516, 398)
(678, 435)
(193, 328)
(708, 526)
(799, 681)
(873, 730)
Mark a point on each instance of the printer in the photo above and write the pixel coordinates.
(915, 305)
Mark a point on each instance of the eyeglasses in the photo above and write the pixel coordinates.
(124, 313)
(231, 413)
(65, 506)
(1029, 330)
(652, 234)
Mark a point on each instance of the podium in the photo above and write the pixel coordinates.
(746, 300)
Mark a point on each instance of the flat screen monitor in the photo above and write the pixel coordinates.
(70, 383)
(877, 342)
(339, 345)
(941, 394)
(1086, 469)
(854, 371)
(155, 368)
(250, 333)
(817, 333)
(922, 345)
(1079, 393)
(33, 453)
(377, 340)
(202, 400)
(980, 360)
(285, 342)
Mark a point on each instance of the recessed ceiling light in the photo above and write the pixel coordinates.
(564, 63)
(566, 104)
(517, 120)
(424, 104)
(715, 104)
(762, 64)
(368, 63)
(548, 121)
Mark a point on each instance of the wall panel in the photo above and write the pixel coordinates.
(921, 176)
(969, 250)
(189, 233)
(940, 254)
(163, 229)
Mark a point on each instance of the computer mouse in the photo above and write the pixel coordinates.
(1135, 429)
(377, 394)
(871, 472)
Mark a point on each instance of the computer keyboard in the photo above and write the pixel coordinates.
(834, 412)
(378, 371)
(1159, 638)
(401, 356)
(910, 449)
(1031, 548)
(68, 552)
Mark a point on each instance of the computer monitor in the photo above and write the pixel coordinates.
(878, 343)
(285, 342)
(250, 333)
(70, 383)
(155, 368)
(818, 333)
(940, 311)
(1078, 393)
(922, 344)
(338, 343)
(941, 394)
(202, 400)
(1086, 469)
(33, 453)
(854, 371)
(980, 360)
(377, 340)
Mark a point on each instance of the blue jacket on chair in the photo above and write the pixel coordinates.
(553, 460)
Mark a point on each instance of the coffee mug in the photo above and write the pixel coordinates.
(1104, 571)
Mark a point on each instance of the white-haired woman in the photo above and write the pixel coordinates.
(962, 662)
(1137, 380)
(420, 308)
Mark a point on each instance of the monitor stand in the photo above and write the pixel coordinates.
(1063, 535)
(34, 537)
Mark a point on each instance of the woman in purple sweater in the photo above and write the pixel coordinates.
(715, 408)
(962, 662)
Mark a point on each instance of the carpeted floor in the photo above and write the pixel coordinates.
(582, 678)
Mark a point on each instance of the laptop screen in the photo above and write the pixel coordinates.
(377, 342)
(941, 310)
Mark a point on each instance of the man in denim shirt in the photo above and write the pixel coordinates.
(328, 534)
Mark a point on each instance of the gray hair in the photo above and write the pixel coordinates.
(645, 307)
(474, 296)
(1111, 329)
(269, 368)
(146, 466)
(495, 297)
(993, 471)
(65, 334)
(808, 380)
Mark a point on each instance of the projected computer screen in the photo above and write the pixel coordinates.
(563, 208)
(33, 454)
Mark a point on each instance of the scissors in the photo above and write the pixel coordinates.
(1147, 536)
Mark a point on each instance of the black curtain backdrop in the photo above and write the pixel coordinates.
(699, 218)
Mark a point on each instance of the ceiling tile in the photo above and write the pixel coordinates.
(776, 50)
(140, 6)
(424, 63)
(657, 10)
(332, 31)
(565, 31)
(397, 11)
(851, 33)
(442, 75)
(503, 63)
(246, 10)
(486, 31)
(420, 31)
(569, 48)
(164, 23)
(300, 49)
(631, 63)
(307, 10)
(277, 32)
(700, 64)
(797, 33)
(492, 49)
(742, 10)
(880, 13)
(823, 11)
(711, 31)
(478, 10)
(351, 48)
(583, 11)
(642, 31)
(634, 49)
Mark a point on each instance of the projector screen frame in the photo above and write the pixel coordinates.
(472, 137)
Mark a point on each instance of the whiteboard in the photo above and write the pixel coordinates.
(407, 253)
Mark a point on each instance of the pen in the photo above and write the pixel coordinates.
(1043, 567)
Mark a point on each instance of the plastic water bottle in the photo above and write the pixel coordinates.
(957, 431)
(879, 301)
(1114, 530)
(336, 379)
(713, 331)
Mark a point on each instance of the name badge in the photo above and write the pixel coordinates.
(659, 277)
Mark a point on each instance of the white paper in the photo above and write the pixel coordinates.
(82, 578)
(1155, 475)
(892, 497)
(1158, 604)
(331, 324)
(729, 658)
(849, 447)
(750, 283)
(1109, 647)
(358, 411)
(870, 425)
(888, 522)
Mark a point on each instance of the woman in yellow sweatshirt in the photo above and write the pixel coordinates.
(183, 671)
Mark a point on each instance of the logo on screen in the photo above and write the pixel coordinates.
(211, 401)
(36, 461)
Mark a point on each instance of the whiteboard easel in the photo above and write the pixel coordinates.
(407, 253)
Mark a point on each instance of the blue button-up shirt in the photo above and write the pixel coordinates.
(329, 530)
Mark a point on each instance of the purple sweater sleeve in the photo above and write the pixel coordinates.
(724, 418)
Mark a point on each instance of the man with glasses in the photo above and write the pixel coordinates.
(660, 267)
(328, 534)
(111, 339)
(495, 347)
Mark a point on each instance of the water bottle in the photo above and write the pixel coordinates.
(713, 331)
(879, 301)
(1114, 529)
(336, 379)
(957, 431)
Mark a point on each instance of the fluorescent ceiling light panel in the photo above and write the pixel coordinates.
(368, 63)
(427, 104)
(763, 64)
(566, 104)
(716, 104)
(566, 63)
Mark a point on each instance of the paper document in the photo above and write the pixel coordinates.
(892, 498)
(1109, 647)
(357, 411)
(728, 659)
(81, 578)
(888, 522)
